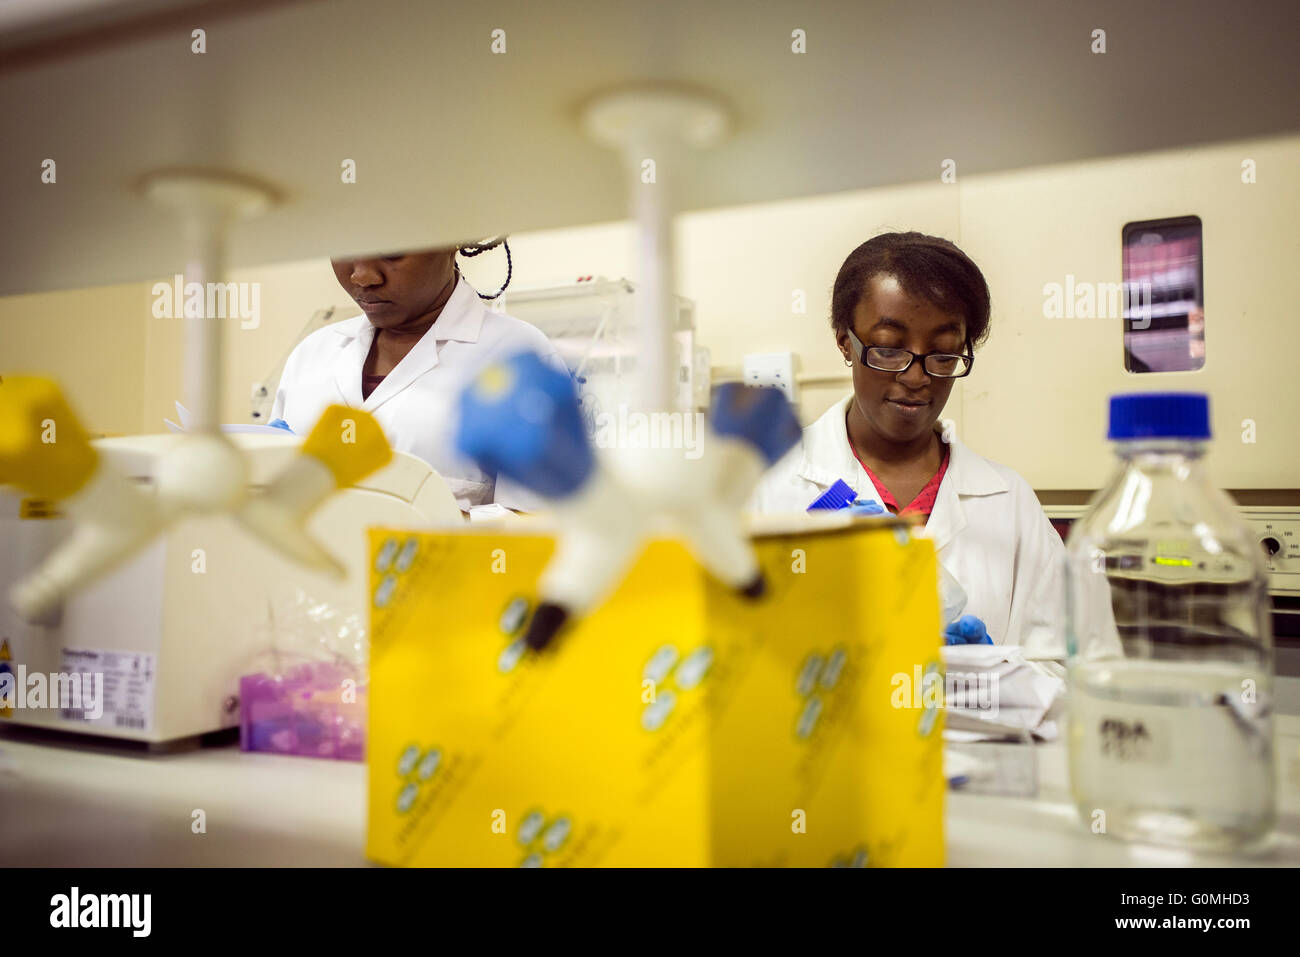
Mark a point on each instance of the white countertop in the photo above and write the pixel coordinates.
(1046, 831)
(62, 805)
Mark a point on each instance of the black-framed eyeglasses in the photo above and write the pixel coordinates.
(941, 365)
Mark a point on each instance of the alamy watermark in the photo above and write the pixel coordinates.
(929, 688)
(75, 909)
(626, 429)
(79, 692)
(1098, 300)
(179, 299)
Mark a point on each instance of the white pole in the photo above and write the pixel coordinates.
(656, 267)
(656, 124)
(203, 333)
(205, 203)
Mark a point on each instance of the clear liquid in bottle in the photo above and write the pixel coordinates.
(1170, 654)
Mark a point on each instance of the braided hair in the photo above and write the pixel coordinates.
(470, 250)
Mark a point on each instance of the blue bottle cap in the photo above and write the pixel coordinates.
(838, 496)
(1159, 415)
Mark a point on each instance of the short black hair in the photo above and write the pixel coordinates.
(927, 267)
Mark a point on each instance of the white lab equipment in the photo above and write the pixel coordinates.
(171, 629)
(45, 452)
(592, 324)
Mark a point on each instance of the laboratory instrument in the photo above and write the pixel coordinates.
(592, 324)
(174, 627)
(45, 452)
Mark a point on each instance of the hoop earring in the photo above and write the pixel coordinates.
(848, 362)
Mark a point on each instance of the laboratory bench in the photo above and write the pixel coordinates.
(96, 805)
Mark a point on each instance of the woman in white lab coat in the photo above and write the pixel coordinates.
(423, 334)
(907, 311)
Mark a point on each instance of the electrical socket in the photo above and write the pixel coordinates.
(772, 368)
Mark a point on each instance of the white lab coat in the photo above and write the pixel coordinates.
(988, 528)
(416, 404)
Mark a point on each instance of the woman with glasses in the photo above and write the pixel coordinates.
(907, 311)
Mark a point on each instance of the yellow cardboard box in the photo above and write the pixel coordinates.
(678, 725)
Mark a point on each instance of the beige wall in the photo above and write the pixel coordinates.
(92, 340)
(1036, 400)
(122, 366)
(290, 295)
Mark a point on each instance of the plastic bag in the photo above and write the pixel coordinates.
(307, 694)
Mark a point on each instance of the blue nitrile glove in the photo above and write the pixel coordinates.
(866, 507)
(967, 630)
(280, 424)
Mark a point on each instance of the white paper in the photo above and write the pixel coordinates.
(241, 427)
(993, 692)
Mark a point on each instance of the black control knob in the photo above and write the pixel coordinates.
(1271, 546)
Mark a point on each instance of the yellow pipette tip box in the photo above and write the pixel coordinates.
(677, 725)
